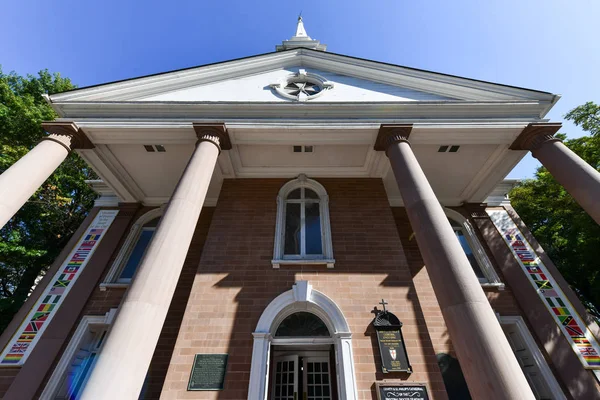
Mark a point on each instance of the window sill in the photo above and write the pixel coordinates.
(328, 262)
(493, 285)
(113, 285)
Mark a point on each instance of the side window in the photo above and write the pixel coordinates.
(464, 243)
(79, 358)
(302, 232)
(466, 236)
(138, 251)
(532, 362)
(131, 253)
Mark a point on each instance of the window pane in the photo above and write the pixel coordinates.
(313, 229)
(136, 254)
(294, 194)
(309, 194)
(469, 253)
(292, 228)
(302, 324)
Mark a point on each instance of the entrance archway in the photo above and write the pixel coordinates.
(302, 298)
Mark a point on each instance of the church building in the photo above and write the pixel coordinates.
(301, 225)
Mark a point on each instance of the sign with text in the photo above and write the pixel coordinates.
(574, 329)
(208, 372)
(400, 391)
(393, 352)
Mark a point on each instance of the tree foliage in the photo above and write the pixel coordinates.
(33, 238)
(567, 233)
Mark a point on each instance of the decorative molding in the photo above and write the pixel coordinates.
(499, 196)
(215, 133)
(35, 323)
(77, 138)
(302, 291)
(538, 358)
(302, 298)
(107, 197)
(536, 134)
(389, 134)
(302, 76)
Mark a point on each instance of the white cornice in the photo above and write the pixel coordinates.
(382, 112)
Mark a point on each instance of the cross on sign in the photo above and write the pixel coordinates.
(383, 303)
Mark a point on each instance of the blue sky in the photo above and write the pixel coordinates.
(547, 45)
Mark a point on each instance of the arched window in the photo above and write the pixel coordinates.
(473, 249)
(302, 324)
(302, 233)
(132, 251)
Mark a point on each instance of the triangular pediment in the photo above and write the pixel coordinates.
(258, 88)
(253, 79)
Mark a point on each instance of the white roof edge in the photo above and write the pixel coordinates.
(379, 71)
(499, 196)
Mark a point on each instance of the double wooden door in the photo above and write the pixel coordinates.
(301, 378)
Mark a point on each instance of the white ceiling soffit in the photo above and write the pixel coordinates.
(389, 82)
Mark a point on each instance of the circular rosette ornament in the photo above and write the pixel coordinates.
(302, 86)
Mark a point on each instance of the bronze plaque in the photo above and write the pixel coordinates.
(408, 391)
(393, 352)
(208, 372)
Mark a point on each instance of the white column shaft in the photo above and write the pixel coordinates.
(490, 367)
(126, 355)
(23, 178)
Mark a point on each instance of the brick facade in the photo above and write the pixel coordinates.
(228, 280)
(235, 282)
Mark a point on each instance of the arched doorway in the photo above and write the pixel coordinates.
(301, 333)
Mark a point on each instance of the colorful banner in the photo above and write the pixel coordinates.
(581, 339)
(23, 342)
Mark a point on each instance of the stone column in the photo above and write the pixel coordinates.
(126, 355)
(578, 178)
(23, 178)
(490, 368)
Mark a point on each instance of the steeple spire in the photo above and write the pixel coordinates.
(301, 39)
(300, 31)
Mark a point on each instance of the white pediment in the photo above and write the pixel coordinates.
(256, 88)
(249, 80)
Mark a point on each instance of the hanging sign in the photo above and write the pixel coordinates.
(391, 342)
(572, 326)
(36, 322)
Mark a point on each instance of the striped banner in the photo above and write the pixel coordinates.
(24, 340)
(572, 326)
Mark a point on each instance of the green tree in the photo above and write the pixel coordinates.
(567, 233)
(32, 239)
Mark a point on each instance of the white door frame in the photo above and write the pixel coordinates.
(302, 298)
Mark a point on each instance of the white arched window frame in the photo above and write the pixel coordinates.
(112, 279)
(491, 277)
(302, 298)
(326, 258)
(92, 328)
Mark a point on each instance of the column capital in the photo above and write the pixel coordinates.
(214, 133)
(536, 134)
(389, 134)
(68, 134)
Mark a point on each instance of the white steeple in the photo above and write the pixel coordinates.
(301, 39)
